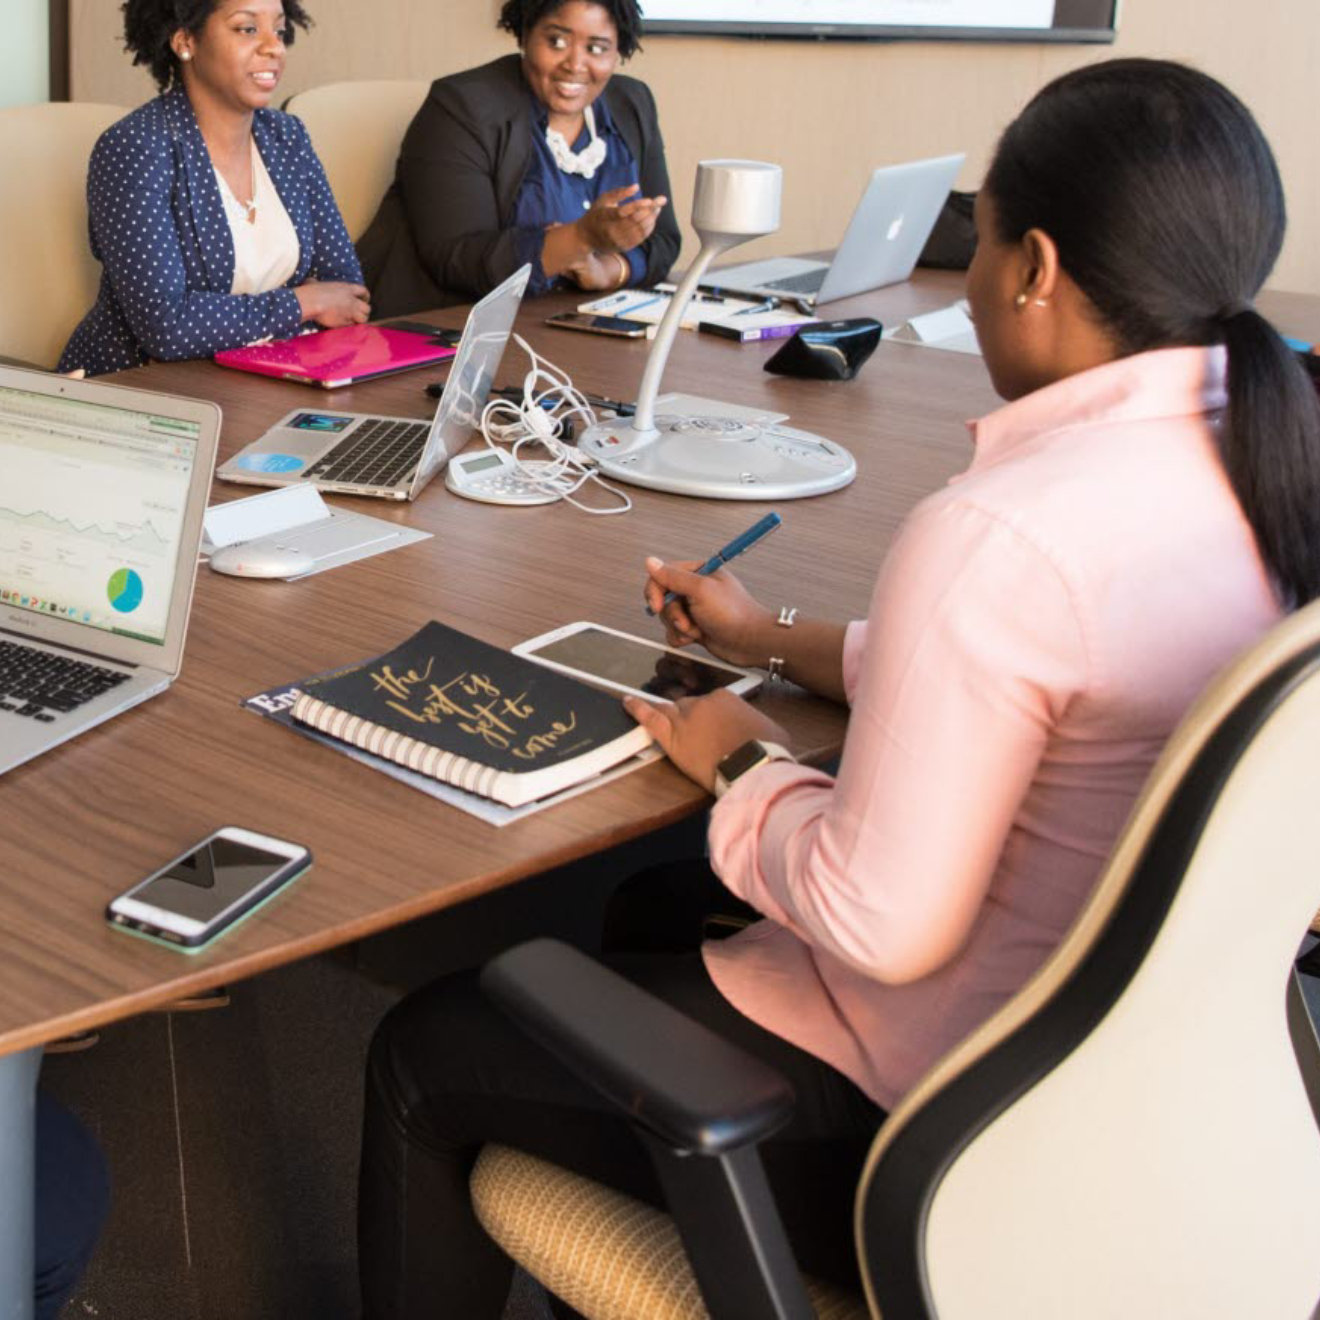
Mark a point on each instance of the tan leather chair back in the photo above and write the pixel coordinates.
(48, 277)
(1135, 1133)
(356, 128)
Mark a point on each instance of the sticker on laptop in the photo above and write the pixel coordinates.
(270, 462)
(327, 423)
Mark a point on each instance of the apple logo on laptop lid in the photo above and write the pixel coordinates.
(894, 228)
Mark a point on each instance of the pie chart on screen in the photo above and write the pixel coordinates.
(124, 590)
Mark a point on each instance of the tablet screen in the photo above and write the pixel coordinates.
(632, 663)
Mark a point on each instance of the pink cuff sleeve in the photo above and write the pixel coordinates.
(854, 644)
(744, 820)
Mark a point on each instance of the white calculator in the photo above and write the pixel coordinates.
(491, 476)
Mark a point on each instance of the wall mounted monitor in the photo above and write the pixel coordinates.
(890, 20)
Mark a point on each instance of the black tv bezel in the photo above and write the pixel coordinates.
(688, 27)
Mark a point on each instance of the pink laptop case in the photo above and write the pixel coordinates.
(331, 358)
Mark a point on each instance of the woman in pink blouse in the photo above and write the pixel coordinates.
(1146, 503)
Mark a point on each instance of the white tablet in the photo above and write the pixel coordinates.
(624, 663)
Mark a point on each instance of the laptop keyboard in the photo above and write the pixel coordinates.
(809, 281)
(42, 685)
(378, 453)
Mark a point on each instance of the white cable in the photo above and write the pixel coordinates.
(549, 398)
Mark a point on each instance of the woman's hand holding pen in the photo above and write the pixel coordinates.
(715, 610)
(723, 616)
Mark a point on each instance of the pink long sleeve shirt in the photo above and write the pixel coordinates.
(1036, 632)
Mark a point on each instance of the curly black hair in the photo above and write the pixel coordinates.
(521, 16)
(149, 25)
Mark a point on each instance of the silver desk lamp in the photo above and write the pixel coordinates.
(695, 446)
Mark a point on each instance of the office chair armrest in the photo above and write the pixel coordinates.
(675, 1078)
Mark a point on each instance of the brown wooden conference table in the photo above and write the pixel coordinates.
(81, 823)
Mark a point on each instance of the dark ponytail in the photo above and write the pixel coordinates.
(1164, 200)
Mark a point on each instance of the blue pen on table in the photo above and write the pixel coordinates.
(627, 311)
(770, 304)
(739, 545)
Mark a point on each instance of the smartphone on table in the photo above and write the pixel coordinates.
(623, 663)
(618, 326)
(206, 890)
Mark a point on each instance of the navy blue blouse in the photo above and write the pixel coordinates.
(551, 196)
(158, 227)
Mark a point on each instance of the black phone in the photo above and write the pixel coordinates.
(204, 891)
(618, 326)
(435, 333)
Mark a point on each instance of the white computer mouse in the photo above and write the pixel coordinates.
(262, 560)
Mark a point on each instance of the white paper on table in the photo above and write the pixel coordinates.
(649, 306)
(259, 515)
(949, 328)
(297, 516)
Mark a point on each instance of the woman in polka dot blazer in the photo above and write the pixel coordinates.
(210, 213)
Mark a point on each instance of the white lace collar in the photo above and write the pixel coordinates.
(585, 162)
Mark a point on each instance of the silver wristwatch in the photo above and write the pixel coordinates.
(745, 758)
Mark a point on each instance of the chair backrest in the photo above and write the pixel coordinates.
(1133, 1134)
(356, 128)
(48, 276)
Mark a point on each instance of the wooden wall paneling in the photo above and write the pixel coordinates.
(59, 50)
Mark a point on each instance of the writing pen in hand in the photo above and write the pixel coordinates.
(739, 545)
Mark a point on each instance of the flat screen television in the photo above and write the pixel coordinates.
(889, 20)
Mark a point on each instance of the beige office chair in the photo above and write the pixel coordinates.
(356, 128)
(1134, 1134)
(48, 276)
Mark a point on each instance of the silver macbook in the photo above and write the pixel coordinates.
(393, 458)
(885, 236)
(101, 509)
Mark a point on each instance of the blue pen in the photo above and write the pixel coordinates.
(637, 307)
(736, 547)
(770, 304)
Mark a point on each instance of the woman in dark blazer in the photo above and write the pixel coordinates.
(210, 213)
(481, 188)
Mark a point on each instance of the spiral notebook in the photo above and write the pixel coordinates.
(472, 715)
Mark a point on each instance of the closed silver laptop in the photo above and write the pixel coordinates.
(392, 458)
(884, 239)
(101, 504)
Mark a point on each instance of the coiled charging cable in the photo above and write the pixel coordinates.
(549, 399)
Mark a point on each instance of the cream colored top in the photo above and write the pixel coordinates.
(266, 247)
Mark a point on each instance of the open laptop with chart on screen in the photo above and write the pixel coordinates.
(884, 239)
(100, 520)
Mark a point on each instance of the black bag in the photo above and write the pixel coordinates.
(952, 243)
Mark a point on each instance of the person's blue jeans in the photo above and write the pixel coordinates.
(73, 1198)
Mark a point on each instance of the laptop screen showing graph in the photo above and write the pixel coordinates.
(92, 511)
